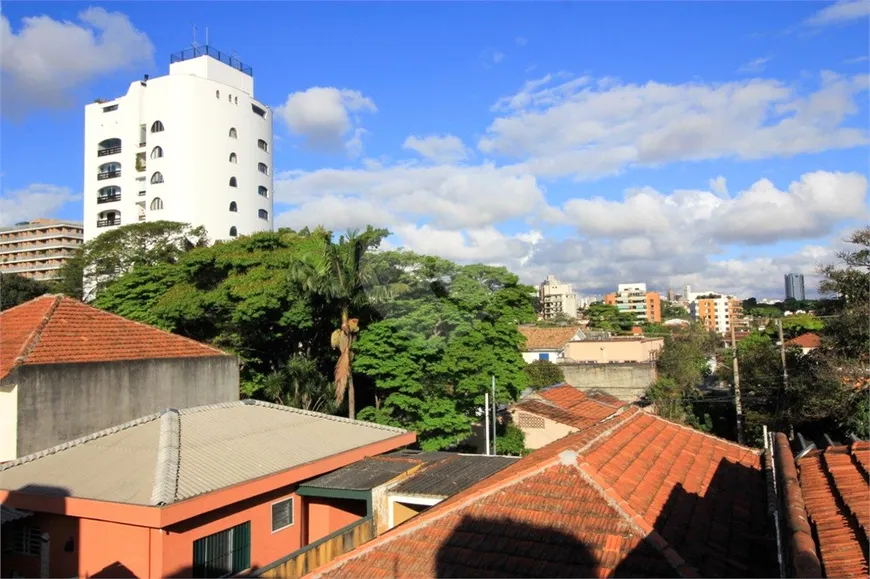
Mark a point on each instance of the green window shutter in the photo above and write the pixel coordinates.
(241, 547)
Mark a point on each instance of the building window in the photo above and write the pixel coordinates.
(263, 191)
(109, 194)
(233, 182)
(23, 540)
(156, 178)
(217, 94)
(233, 158)
(282, 514)
(235, 100)
(233, 206)
(263, 214)
(142, 133)
(223, 554)
(110, 108)
(156, 152)
(264, 146)
(109, 218)
(157, 127)
(262, 168)
(156, 204)
(233, 133)
(257, 110)
(544, 356)
(233, 231)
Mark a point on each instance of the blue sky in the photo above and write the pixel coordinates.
(717, 144)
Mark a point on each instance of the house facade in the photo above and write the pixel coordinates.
(200, 492)
(616, 349)
(548, 343)
(68, 369)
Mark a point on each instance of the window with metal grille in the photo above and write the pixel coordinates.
(282, 514)
(223, 554)
(529, 421)
(22, 540)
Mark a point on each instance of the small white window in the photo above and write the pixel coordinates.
(233, 158)
(233, 206)
(157, 177)
(262, 168)
(263, 214)
(217, 94)
(233, 133)
(156, 204)
(156, 152)
(236, 100)
(157, 127)
(230, 97)
(282, 514)
(263, 191)
(233, 231)
(233, 182)
(263, 145)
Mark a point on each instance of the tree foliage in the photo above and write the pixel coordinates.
(510, 441)
(543, 373)
(109, 256)
(17, 289)
(608, 318)
(671, 311)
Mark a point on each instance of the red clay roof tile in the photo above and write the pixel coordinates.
(566, 404)
(808, 340)
(834, 486)
(547, 338)
(632, 495)
(55, 329)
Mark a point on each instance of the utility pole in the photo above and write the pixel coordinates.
(784, 367)
(486, 419)
(494, 447)
(737, 404)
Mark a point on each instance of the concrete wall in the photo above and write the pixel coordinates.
(625, 381)
(60, 402)
(325, 516)
(604, 351)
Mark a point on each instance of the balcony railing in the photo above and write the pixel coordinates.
(108, 222)
(109, 198)
(108, 175)
(108, 151)
(141, 193)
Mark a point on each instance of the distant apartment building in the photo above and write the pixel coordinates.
(794, 286)
(38, 249)
(557, 298)
(634, 298)
(718, 312)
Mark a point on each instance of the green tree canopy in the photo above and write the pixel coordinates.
(543, 373)
(608, 318)
(17, 289)
(672, 310)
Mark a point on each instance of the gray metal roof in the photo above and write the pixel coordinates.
(363, 475)
(178, 454)
(8, 514)
(453, 474)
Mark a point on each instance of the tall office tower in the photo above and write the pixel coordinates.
(193, 146)
(794, 286)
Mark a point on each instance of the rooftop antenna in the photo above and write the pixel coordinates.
(194, 44)
(206, 35)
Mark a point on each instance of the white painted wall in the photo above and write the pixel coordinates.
(8, 422)
(198, 102)
(530, 357)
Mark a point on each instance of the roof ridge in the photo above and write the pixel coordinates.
(165, 487)
(756, 451)
(638, 523)
(79, 441)
(33, 339)
(435, 514)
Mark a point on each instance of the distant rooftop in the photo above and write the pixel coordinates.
(197, 51)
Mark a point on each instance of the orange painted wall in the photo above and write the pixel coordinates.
(266, 546)
(326, 516)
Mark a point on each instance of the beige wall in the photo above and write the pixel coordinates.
(538, 437)
(604, 351)
(8, 422)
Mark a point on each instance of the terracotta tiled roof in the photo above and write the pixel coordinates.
(835, 489)
(55, 329)
(809, 340)
(633, 495)
(547, 338)
(566, 404)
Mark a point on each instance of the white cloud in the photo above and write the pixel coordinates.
(484, 244)
(719, 186)
(856, 60)
(754, 66)
(36, 200)
(47, 60)
(438, 148)
(521, 41)
(337, 213)
(490, 57)
(840, 13)
(589, 128)
(327, 117)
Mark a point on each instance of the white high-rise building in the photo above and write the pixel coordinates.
(557, 298)
(193, 146)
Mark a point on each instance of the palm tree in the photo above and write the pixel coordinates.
(339, 273)
(300, 384)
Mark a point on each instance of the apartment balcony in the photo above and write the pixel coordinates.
(109, 151)
(102, 176)
(108, 222)
(109, 147)
(109, 198)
